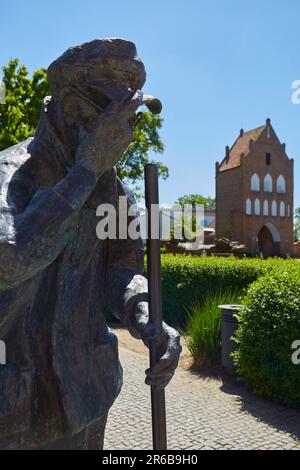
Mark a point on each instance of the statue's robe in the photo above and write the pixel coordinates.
(56, 277)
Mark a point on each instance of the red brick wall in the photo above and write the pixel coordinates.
(228, 201)
(233, 189)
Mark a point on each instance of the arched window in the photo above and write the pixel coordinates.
(268, 183)
(274, 208)
(257, 207)
(266, 208)
(248, 207)
(282, 209)
(255, 183)
(281, 186)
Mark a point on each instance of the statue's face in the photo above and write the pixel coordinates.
(82, 105)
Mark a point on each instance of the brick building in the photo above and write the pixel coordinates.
(254, 193)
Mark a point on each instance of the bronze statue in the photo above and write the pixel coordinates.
(62, 372)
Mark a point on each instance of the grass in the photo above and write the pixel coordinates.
(204, 328)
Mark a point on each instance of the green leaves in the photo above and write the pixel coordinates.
(194, 199)
(204, 327)
(19, 115)
(146, 140)
(192, 278)
(268, 325)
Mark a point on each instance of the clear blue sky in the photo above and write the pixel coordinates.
(217, 65)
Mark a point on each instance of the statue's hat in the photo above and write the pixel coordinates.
(111, 60)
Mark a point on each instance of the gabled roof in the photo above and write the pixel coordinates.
(242, 146)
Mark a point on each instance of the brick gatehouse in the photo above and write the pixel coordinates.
(254, 193)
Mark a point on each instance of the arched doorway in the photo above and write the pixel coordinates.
(265, 242)
(269, 241)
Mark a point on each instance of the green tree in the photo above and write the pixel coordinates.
(194, 199)
(20, 114)
(146, 139)
(297, 224)
(186, 227)
(189, 223)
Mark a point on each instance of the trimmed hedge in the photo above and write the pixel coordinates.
(269, 324)
(190, 279)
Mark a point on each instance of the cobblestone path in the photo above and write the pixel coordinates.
(202, 413)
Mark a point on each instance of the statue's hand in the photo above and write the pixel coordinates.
(162, 372)
(102, 148)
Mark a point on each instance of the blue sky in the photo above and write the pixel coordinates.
(217, 65)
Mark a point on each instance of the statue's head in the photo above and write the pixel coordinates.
(86, 78)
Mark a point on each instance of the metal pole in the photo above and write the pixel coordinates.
(159, 431)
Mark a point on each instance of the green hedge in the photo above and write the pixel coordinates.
(186, 279)
(269, 324)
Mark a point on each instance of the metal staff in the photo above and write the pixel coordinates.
(159, 431)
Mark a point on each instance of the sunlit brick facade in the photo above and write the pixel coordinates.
(254, 193)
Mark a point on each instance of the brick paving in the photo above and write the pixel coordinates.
(202, 413)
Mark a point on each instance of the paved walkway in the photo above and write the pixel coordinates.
(202, 413)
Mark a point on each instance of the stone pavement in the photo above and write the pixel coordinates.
(202, 413)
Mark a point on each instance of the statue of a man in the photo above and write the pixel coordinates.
(62, 372)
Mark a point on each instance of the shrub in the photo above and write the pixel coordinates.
(187, 279)
(204, 328)
(269, 324)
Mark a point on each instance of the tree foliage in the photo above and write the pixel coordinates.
(20, 114)
(146, 139)
(194, 199)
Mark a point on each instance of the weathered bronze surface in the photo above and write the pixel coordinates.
(63, 373)
(159, 425)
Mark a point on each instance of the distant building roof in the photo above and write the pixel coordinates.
(241, 146)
